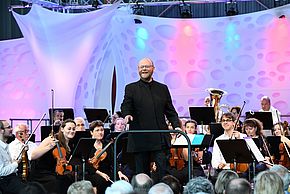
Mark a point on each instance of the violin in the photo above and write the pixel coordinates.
(176, 158)
(99, 156)
(24, 160)
(284, 158)
(62, 167)
(240, 167)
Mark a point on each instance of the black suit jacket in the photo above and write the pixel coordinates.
(148, 103)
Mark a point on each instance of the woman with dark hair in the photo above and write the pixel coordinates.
(100, 167)
(51, 170)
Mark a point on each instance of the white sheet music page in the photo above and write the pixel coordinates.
(255, 150)
(182, 140)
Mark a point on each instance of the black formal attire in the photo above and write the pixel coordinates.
(149, 104)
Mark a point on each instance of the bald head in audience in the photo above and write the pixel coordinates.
(238, 185)
(160, 188)
(141, 183)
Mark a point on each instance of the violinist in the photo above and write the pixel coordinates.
(21, 136)
(100, 167)
(228, 123)
(254, 129)
(9, 182)
(52, 170)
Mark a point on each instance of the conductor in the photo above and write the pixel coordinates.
(145, 105)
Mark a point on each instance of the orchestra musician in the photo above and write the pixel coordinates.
(52, 154)
(9, 182)
(100, 167)
(21, 136)
(228, 123)
(145, 105)
(267, 107)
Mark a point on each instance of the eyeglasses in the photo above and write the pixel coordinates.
(226, 120)
(145, 66)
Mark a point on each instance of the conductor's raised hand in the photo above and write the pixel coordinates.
(128, 118)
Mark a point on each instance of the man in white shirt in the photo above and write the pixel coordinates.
(228, 123)
(266, 107)
(9, 182)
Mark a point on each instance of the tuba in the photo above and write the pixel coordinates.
(215, 97)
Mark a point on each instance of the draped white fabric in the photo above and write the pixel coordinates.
(246, 55)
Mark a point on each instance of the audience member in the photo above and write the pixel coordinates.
(120, 187)
(199, 185)
(283, 173)
(173, 183)
(160, 188)
(80, 124)
(268, 183)
(238, 186)
(81, 187)
(141, 183)
(266, 107)
(222, 180)
(34, 188)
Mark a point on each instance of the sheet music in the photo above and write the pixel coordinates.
(182, 140)
(255, 150)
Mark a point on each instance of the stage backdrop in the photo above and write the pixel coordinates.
(76, 54)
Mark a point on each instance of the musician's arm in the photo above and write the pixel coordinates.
(46, 145)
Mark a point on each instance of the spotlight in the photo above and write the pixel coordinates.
(137, 21)
(96, 4)
(185, 10)
(231, 8)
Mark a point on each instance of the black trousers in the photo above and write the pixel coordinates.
(160, 157)
(11, 184)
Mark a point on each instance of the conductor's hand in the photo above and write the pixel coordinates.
(122, 176)
(128, 118)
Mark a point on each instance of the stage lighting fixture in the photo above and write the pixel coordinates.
(282, 16)
(185, 10)
(231, 8)
(138, 9)
(96, 4)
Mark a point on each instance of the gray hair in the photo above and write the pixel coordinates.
(198, 185)
(222, 180)
(268, 183)
(283, 173)
(238, 185)
(160, 188)
(119, 187)
(81, 187)
(141, 183)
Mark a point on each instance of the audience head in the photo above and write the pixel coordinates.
(119, 187)
(80, 124)
(222, 180)
(120, 124)
(283, 173)
(238, 186)
(268, 183)
(160, 188)
(190, 127)
(199, 185)
(141, 183)
(81, 187)
(33, 188)
(253, 127)
(173, 183)
(265, 103)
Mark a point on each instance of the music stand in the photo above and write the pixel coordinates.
(216, 130)
(235, 151)
(202, 115)
(264, 117)
(78, 136)
(68, 113)
(274, 142)
(93, 114)
(81, 153)
(46, 130)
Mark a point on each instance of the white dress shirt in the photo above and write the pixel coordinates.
(15, 148)
(7, 167)
(217, 156)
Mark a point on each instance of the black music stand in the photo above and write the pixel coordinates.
(68, 113)
(264, 117)
(46, 130)
(202, 115)
(78, 136)
(235, 151)
(216, 130)
(93, 114)
(274, 142)
(81, 154)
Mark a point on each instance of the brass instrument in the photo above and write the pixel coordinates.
(215, 97)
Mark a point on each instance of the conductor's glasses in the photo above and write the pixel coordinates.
(145, 66)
